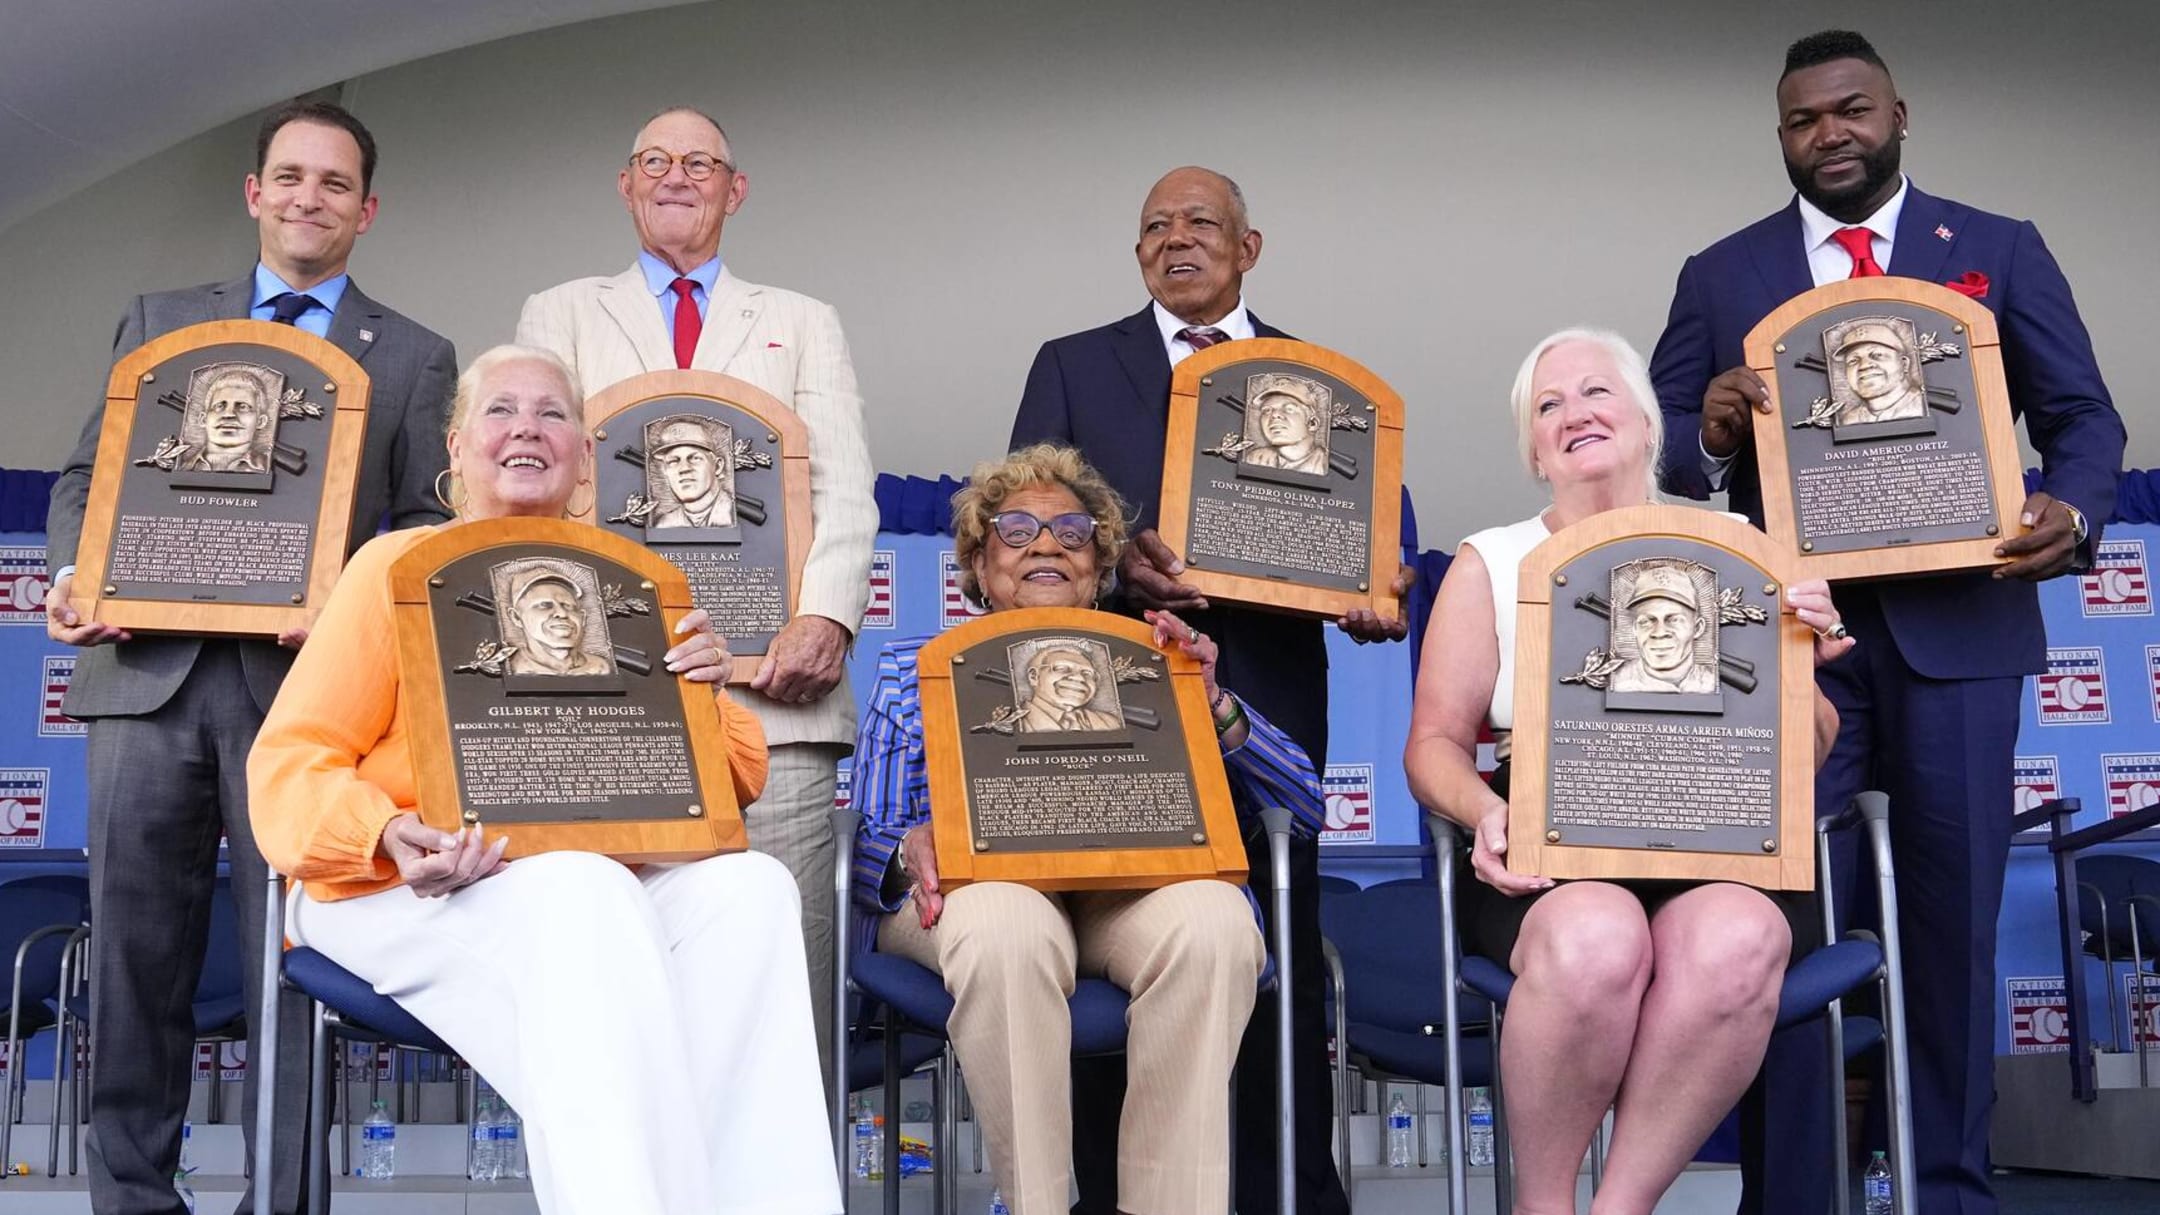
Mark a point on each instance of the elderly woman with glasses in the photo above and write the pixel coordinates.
(1041, 528)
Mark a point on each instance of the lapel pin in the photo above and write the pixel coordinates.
(747, 314)
(1943, 232)
(367, 335)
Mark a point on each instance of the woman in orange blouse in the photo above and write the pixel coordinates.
(652, 1026)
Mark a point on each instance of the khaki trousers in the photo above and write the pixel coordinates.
(1189, 954)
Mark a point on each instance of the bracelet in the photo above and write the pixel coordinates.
(1237, 716)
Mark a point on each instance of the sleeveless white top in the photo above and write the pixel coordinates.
(1503, 549)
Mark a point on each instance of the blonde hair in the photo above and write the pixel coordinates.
(993, 481)
(1634, 376)
(486, 363)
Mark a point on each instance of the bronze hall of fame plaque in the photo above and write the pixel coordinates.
(1282, 478)
(1889, 449)
(1066, 752)
(221, 501)
(532, 653)
(1664, 706)
(713, 474)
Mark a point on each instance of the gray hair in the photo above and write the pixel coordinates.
(468, 385)
(1634, 377)
(726, 145)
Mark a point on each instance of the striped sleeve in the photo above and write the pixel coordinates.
(1270, 769)
(891, 782)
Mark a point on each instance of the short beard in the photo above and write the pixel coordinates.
(1880, 167)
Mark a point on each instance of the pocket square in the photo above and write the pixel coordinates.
(777, 346)
(1972, 283)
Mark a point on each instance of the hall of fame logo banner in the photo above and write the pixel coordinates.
(1348, 797)
(2073, 689)
(2120, 583)
(2133, 782)
(23, 794)
(2144, 1008)
(2039, 1016)
(953, 607)
(879, 615)
(2152, 677)
(843, 787)
(22, 586)
(2034, 779)
(52, 689)
(229, 1059)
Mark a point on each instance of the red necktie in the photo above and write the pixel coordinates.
(688, 324)
(1201, 337)
(1860, 243)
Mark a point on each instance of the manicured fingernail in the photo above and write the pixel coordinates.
(1177, 567)
(2026, 519)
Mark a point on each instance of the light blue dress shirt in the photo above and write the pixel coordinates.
(316, 320)
(660, 277)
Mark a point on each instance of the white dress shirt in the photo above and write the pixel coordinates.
(1238, 325)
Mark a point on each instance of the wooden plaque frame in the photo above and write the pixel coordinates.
(719, 829)
(1223, 855)
(1792, 867)
(1197, 374)
(781, 422)
(339, 466)
(1976, 331)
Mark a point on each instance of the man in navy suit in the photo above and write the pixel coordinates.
(1928, 702)
(1106, 391)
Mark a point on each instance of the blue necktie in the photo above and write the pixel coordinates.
(286, 308)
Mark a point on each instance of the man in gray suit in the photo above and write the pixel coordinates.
(172, 718)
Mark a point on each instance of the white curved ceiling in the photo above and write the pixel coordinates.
(88, 87)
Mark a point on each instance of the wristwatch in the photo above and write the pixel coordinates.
(899, 856)
(2078, 528)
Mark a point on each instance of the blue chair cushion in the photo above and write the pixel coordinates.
(221, 1017)
(1823, 976)
(918, 995)
(360, 1005)
(1487, 978)
(1862, 1034)
(1419, 1056)
(866, 1060)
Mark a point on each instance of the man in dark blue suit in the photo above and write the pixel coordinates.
(1106, 391)
(1928, 701)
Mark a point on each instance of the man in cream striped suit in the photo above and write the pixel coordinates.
(680, 307)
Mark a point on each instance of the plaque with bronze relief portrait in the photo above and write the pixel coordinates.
(713, 474)
(1889, 449)
(1066, 752)
(221, 501)
(1282, 478)
(532, 653)
(1664, 706)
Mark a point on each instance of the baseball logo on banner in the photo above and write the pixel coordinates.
(953, 607)
(2144, 1008)
(228, 1058)
(843, 787)
(52, 689)
(2133, 782)
(2073, 689)
(2120, 583)
(22, 585)
(879, 615)
(2039, 1016)
(1348, 789)
(2034, 779)
(23, 793)
(2152, 677)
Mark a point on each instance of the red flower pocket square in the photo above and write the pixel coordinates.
(1972, 283)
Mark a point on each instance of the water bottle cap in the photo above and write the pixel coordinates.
(1878, 1155)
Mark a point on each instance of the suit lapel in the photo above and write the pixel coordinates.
(1140, 352)
(634, 309)
(1781, 259)
(232, 301)
(356, 324)
(1920, 251)
(729, 314)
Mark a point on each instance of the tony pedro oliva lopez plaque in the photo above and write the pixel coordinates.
(713, 474)
(1664, 705)
(532, 653)
(1282, 478)
(1889, 448)
(222, 495)
(1066, 752)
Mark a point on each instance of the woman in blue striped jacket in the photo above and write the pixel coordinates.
(1041, 528)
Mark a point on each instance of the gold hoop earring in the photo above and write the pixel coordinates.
(592, 499)
(456, 507)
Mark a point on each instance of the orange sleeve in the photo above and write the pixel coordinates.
(747, 753)
(316, 818)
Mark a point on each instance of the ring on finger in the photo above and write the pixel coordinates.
(1836, 632)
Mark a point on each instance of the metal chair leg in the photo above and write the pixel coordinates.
(1419, 1113)
(266, 1029)
(891, 1098)
(1503, 1160)
(945, 1109)
(844, 824)
(1597, 1152)
(1277, 821)
(1333, 960)
(1458, 1157)
(1875, 808)
(318, 1116)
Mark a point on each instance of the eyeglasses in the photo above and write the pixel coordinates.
(1018, 528)
(697, 166)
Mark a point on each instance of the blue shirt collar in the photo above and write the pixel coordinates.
(658, 275)
(268, 286)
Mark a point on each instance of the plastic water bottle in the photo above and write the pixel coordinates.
(1481, 1136)
(186, 1168)
(1401, 1136)
(481, 1163)
(378, 1145)
(509, 1143)
(869, 1142)
(1875, 1187)
(997, 1203)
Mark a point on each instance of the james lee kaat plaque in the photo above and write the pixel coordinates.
(531, 652)
(713, 474)
(1663, 705)
(1068, 753)
(222, 497)
(1282, 478)
(1889, 448)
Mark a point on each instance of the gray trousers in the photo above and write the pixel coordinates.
(792, 823)
(163, 787)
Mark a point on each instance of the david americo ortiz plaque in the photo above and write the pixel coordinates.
(713, 474)
(1889, 448)
(1663, 705)
(533, 659)
(1066, 752)
(1282, 478)
(221, 501)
